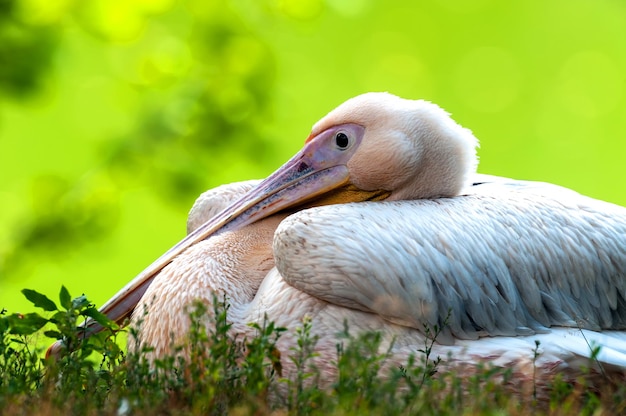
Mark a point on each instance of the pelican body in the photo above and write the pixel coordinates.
(380, 221)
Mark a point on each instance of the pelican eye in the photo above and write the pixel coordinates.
(342, 140)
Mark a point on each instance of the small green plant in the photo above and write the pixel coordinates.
(358, 365)
(217, 372)
(213, 372)
(20, 369)
(74, 378)
(304, 395)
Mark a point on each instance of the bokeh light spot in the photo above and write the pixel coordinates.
(154, 6)
(398, 73)
(244, 55)
(464, 6)
(157, 59)
(44, 11)
(301, 9)
(488, 79)
(350, 8)
(399, 69)
(115, 20)
(590, 84)
(171, 58)
(235, 103)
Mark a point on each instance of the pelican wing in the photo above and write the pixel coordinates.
(507, 258)
(211, 202)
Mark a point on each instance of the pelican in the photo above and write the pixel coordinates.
(381, 221)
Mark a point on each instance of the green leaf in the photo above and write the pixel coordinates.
(59, 317)
(65, 298)
(53, 334)
(112, 349)
(4, 325)
(100, 318)
(26, 324)
(40, 300)
(80, 302)
(62, 318)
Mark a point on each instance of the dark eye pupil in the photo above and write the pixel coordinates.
(342, 140)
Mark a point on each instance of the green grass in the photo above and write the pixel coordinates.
(244, 376)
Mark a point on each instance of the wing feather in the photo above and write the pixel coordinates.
(506, 258)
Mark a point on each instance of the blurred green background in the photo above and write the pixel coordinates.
(116, 114)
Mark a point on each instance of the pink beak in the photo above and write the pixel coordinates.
(320, 167)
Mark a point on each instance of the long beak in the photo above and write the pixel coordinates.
(314, 176)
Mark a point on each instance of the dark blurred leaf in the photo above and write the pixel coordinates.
(99, 317)
(58, 317)
(26, 324)
(4, 324)
(40, 300)
(26, 52)
(187, 124)
(65, 298)
(53, 334)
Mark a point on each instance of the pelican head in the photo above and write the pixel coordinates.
(410, 148)
(374, 146)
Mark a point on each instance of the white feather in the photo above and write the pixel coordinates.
(502, 258)
(498, 264)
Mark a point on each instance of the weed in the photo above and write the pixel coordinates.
(217, 372)
(303, 395)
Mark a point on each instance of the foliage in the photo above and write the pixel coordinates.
(74, 377)
(191, 113)
(115, 114)
(243, 376)
(28, 48)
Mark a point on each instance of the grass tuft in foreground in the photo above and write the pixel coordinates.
(245, 376)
